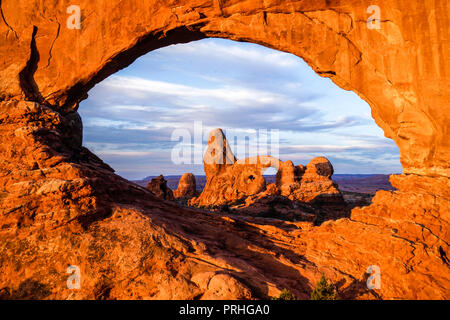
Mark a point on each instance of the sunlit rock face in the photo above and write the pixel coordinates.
(187, 187)
(230, 181)
(313, 185)
(227, 179)
(61, 205)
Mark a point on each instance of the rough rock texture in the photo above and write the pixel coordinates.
(60, 204)
(158, 186)
(187, 188)
(313, 185)
(271, 204)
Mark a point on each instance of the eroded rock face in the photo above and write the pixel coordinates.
(158, 186)
(60, 204)
(187, 187)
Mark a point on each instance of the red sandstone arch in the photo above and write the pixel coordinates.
(400, 71)
(48, 182)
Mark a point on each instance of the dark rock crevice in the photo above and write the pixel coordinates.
(27, 83)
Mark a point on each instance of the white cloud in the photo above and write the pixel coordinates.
(191, 94)
(233, 51)
(326, 148)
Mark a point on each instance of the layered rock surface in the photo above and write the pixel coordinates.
(271, 204)
(61, 205)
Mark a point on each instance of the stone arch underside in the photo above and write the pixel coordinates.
(55, 191)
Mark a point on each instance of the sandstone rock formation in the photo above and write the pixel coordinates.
(229, 181)
(60, 204)
(158, 186)
(187, 188)
(313, 184)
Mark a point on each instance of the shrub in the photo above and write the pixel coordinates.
(324, 290)
(285, 295)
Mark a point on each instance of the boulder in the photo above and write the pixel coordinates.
(187, 187)
(158, 186)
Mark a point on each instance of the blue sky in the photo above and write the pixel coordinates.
(130, 117)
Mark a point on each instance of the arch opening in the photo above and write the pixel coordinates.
(248, 90)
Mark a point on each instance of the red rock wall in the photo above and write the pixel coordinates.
(60, 204)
